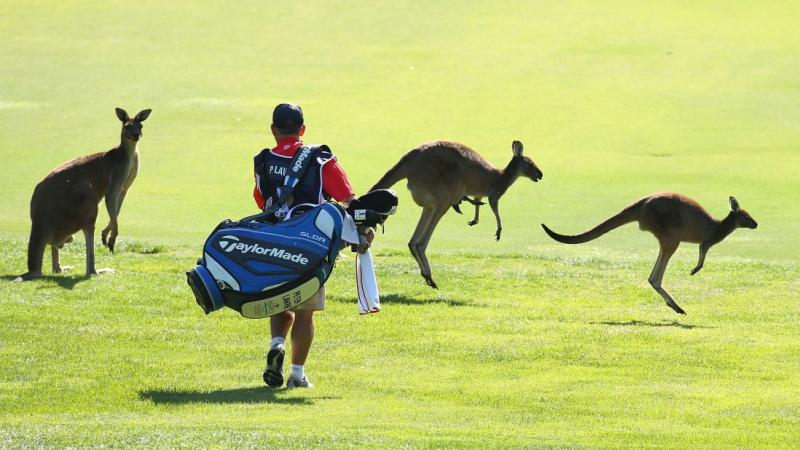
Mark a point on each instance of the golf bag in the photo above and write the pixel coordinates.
(261, 267)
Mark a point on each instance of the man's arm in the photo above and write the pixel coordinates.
(258, 168)
(259, 198)
(346, 201)
(336, 184)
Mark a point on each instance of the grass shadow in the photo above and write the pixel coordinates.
(66, 282)
(241, 395)
(142, 248)
(640, 323)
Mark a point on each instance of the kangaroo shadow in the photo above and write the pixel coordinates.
(66, 282)
(400, 299)
(639, 323)
(241, 395)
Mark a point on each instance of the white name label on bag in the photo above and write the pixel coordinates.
(270, 306)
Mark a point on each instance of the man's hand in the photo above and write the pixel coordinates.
(346, 201)
(365, 237)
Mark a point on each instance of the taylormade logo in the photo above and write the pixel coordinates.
(299, 162)
(231, 243)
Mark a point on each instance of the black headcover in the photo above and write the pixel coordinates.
(373, 207)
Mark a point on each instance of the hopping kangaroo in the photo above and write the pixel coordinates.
(672, 218)
(440, 174)
(65, 202)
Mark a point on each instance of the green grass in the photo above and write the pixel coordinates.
(515, 350)
(528, 343)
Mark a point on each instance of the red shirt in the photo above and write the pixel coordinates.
(334, 180)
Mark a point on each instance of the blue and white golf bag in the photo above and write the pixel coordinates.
(261, 268)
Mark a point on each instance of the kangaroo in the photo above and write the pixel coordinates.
(66, 200)
(440, 174)
(672, 218)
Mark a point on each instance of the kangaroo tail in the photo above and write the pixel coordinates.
(396, 173)
(627, 215)
(37, 241)
(36, 246)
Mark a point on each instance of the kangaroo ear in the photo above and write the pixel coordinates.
(123, 115)
(516, 147)
(734, 204)
(143, 115)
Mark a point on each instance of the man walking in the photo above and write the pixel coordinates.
(324, 179)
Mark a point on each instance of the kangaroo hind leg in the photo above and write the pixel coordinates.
(657, 275)
(55, 248)
(477, 202)
(419, 241)
(493, 203)
(426, 238)
(88, 234)
(56, 258)
(414, 245)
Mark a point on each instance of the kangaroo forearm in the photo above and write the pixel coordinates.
(112, 206)
(120, 200)
(701, 259)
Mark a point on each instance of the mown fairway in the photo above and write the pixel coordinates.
(528, 342)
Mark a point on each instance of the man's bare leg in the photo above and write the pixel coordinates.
(302, 335)
(279, 328)
(279, 324)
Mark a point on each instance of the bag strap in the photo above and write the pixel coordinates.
(297, 169)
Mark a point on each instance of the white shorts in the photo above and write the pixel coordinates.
(315, 303)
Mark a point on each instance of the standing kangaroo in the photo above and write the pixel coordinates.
(672, 218)
(440, 174)
(66, 200)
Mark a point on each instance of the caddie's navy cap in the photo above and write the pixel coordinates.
(287, 116)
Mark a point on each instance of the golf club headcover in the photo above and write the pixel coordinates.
(373, 207)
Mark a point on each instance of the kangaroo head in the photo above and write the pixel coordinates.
(132, 128)
(742, 217)
(522, 165)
